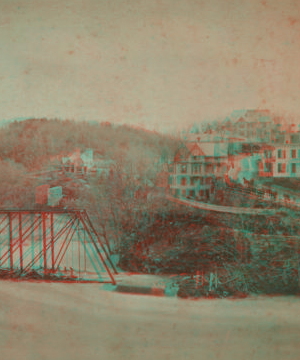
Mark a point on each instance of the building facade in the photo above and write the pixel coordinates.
(196, 168)
(255, 125)
(81, 163)
(283, 160)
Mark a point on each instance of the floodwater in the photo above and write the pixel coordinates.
(85, 321)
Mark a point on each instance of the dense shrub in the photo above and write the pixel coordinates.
(262, 276)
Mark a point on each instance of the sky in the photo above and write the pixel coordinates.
(159, 64)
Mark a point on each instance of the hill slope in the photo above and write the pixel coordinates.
(26, 146)
(32, 142)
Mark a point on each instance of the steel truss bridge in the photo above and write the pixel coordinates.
(53, 244)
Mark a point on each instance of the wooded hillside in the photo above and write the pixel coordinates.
(32, 142)
(27, 146)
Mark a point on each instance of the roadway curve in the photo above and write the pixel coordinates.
(219, 208)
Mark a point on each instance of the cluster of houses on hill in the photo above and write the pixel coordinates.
(81, 163)
(253, 148)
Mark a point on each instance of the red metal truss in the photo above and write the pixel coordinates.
(55, 244)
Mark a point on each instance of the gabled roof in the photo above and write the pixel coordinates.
(208, 149)
(238, 113)
(227, 120)
(194, 149)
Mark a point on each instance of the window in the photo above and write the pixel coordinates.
(183, 181)
(294, 138)
(183, 192)
(192, 193)
(294, 168)
(279, 156)
(268, 154)
(195, 169)
(195, 180)
(293, 154)
(201, 193)
(208, 181)
(170, 180)
(282, 168)
(208, 168)
(268, 167)
(183, 169)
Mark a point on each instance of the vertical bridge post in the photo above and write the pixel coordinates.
(44, 240)
(20, 240)
(52, 241)
(11, 255)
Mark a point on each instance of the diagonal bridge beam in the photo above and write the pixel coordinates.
(51, 243)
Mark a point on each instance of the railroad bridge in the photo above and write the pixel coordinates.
(54, 245)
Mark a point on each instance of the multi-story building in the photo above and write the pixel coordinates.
(282, 160)
(196, 167)
(228, 126)
(255, 125)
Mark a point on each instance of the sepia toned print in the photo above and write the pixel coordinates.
(149, 179)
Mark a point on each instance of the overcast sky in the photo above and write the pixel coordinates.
(155, 63)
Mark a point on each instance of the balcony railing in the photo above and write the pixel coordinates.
(270, 159)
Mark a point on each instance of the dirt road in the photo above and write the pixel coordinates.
(219, 208)
(84, 321)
